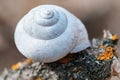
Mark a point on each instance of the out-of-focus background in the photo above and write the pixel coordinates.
(95, 14)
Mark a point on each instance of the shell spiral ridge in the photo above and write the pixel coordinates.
(48, 33)
(45, 22)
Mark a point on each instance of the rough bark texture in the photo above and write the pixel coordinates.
(98, 62)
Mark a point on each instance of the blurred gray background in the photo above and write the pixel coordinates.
(95, 14)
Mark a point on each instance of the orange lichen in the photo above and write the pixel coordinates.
(38, 78)
(108, 54)
(109, 49)
(115, 37)
(15, 66)
(102, 46)
(67, 59)
(105, 56)
(100, 57)
(28, 61)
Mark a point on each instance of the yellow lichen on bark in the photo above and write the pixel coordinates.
(108, 54)
(15, 66)
(115, 37)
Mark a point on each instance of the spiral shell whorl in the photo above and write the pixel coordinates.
(47, 17)
(48, 33)
(46, 13)
(44, 22)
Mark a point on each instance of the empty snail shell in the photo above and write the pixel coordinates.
(48, 33)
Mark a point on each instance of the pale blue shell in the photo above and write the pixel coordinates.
(48, 33)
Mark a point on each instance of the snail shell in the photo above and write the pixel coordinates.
(48, 33)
